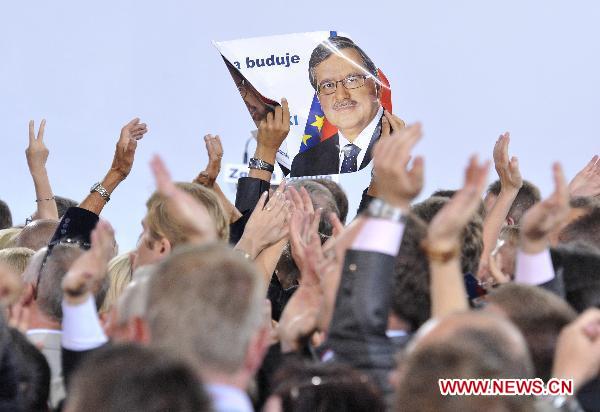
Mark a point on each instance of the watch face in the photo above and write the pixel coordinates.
(94, 186)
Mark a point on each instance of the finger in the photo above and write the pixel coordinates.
(269, 118)
(262, 201)
(217, 144)
(164, 183)
(395, 123)
(306, 200)
(133, 122)
(278, 116)
(286, 111)
(560, 184)
(31, 131)
(40, 135)
(417, 172)
(336, 223)
(385, 127)
(316, 220)
(295, 198)
(591, 163)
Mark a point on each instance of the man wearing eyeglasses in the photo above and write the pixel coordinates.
(348, 88)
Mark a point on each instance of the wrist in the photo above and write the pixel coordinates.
(112, 180)
(395, 201)
(266, 154)
(38, 172)
(532, 247)
(249, 246)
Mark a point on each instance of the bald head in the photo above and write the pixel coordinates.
(36, 234)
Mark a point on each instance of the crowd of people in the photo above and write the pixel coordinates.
(276, 302)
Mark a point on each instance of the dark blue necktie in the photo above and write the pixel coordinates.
(350, 162)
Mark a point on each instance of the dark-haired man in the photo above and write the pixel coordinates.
(348, 88)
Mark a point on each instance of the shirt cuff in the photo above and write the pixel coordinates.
(379, 235)
(81, 326)
(534, 269)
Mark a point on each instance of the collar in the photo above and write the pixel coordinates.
(364, 138)
(229, 398)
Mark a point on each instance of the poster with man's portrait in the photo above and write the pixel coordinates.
(335, 91)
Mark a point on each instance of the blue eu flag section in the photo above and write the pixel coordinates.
(314, 124)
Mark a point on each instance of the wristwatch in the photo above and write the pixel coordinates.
(97, 187)
(379, 209)
(260, 164)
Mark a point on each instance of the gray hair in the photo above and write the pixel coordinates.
(333, 45)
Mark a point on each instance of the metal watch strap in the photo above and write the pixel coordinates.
(260, 164)
(379, 209)
(97, 187)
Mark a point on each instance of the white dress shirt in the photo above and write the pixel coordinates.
(362, 140)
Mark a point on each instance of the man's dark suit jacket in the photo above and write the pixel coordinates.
(324, 158)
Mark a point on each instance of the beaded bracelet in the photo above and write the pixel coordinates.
(42, 200)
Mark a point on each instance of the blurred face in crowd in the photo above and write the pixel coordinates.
(257, 108)
(350, 110)
(149, 250)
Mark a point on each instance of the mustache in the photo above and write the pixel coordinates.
(344, 104)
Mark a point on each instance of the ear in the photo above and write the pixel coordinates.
(138, 331)
(27, 296)
(510, 221)
(256, 349)
(164, 246)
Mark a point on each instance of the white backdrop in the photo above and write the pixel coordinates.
(468, 70)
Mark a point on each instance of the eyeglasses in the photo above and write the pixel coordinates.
(354, 81)
(242, 88)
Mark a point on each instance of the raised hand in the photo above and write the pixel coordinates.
(546, 216)
(507, 167)
(87, 272)
(446, 228)
(37, 155)
(301, 315)
(274, 128)
(125, 151)
(304, 223)
(36, 152)
(268, 223)
(577, 353)
(396, 184)
(190, 214)
(215, 153)
(587, 181)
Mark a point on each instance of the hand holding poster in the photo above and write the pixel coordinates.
(335, 92)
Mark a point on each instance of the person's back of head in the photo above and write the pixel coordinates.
(7, 237)
(321, 198)
(528, 195)
(472, 244)
(579, 265)
(463, 358)
(585, 227)
(16, 258)
(341, 200)
(161, 223)
(410, 299)
(5, 215)
(540, 315)
(52, 266)
(119, 275)
(63, 204)
(324, 387)
(134, 379)
(36, 234)
(33, 374)
(206, 303)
